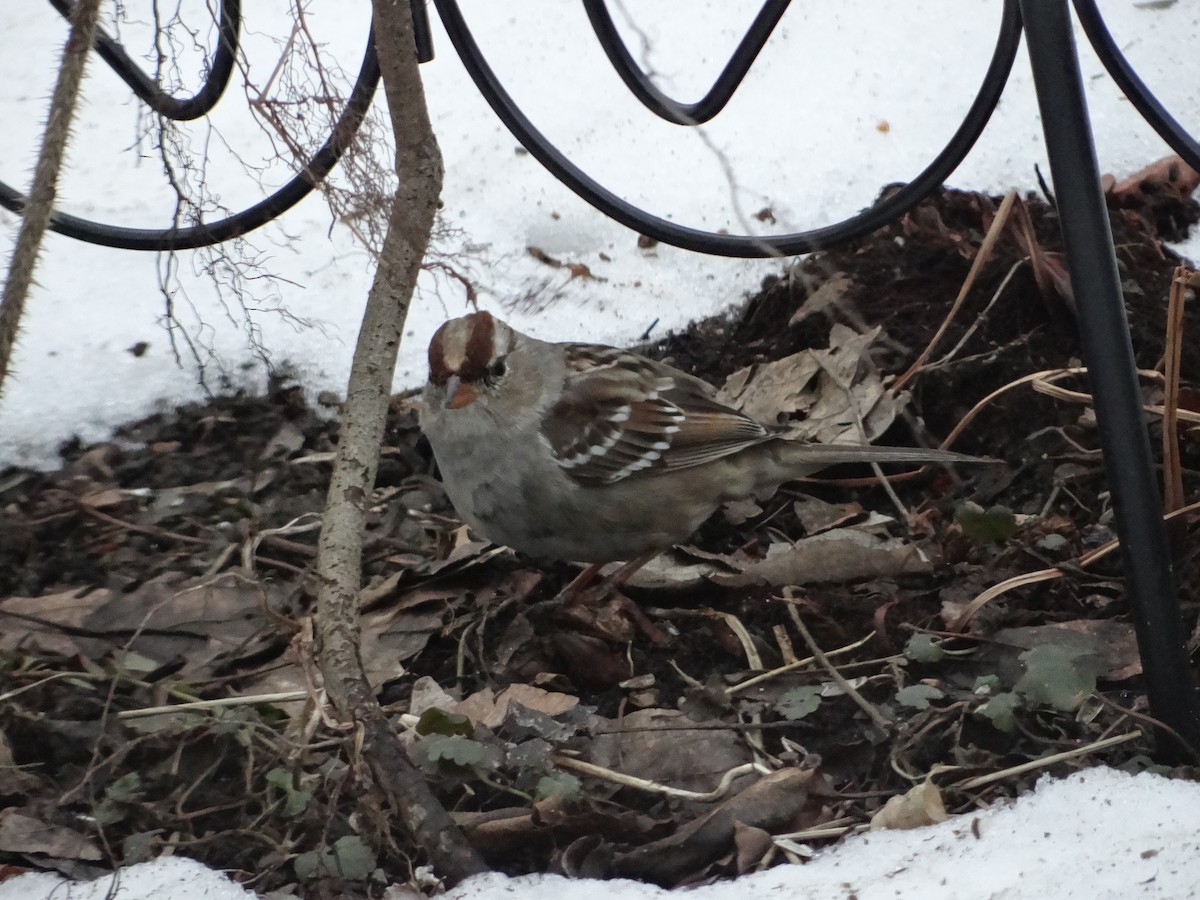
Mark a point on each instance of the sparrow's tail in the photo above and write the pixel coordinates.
(786, 460)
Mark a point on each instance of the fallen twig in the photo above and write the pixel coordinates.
(881, 721)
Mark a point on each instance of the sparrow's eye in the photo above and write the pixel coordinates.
(497, 369)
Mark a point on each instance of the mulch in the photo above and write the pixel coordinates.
(172, 564)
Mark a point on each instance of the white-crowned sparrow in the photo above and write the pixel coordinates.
(589, 453)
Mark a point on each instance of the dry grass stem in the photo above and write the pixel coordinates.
(1173, 497)
(1050, 574)
(1095, 747)
(881, 721)
(798, 664)
(980, 319)
(654, 787)
(981, 258)
(753, 659)
(219, 703)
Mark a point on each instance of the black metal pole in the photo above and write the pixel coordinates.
(1104, 332)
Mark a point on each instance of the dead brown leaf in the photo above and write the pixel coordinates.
(816, 515)
(392, 636)
(920, 805)
(105, 498)
(47, 622)
(836, 390)
(1170, 173)
(428, 694)
(489, 709)
(171, 618)
(1113, 643)
(738, 512)
(833, 293)
(649, 744)
(682, 567)
(23, 834)
(753, 845)
(285, 442)
(771, 803)
(766, 391)
(845, 554)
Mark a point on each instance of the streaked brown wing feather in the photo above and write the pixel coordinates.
(712, 430)
(620, 422)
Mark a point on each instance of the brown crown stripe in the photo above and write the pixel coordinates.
(438, 373)
(478, 356)
(462, 347)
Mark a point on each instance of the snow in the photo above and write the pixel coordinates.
(168, 877)
(846, 98)
(1099, 834)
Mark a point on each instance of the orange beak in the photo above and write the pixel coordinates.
(459, 393)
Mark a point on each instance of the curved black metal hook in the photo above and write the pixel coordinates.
(748, 246)
(204, 234)
(1176, 136)
(718, 95)
(220, 67)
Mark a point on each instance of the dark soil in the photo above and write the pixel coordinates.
(173, 563)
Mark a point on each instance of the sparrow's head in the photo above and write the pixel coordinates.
(468, 356)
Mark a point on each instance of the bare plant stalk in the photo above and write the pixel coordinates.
(1173, 496)
(45, 177)
(339, 561)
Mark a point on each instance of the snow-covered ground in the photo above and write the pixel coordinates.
(847, 97)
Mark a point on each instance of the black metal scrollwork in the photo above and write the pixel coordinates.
(206, 234)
